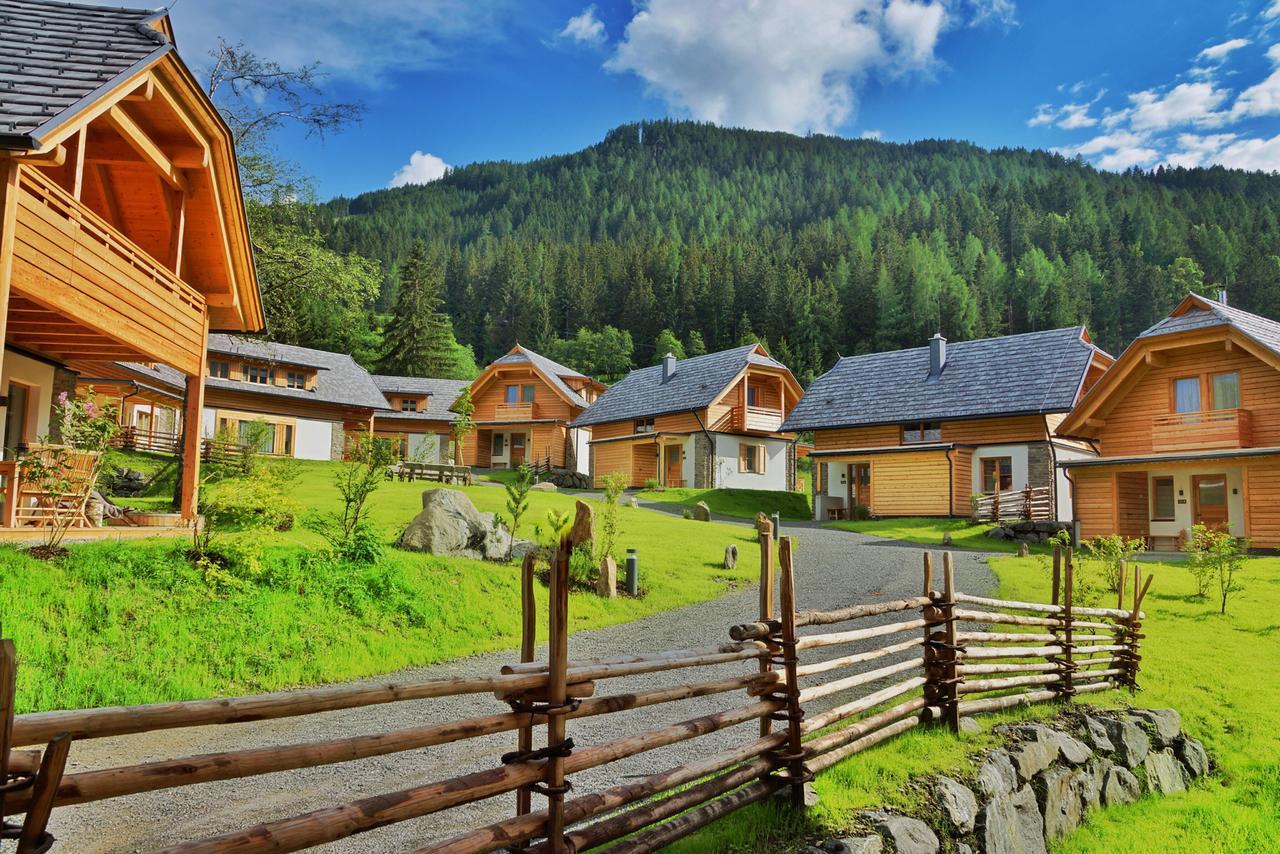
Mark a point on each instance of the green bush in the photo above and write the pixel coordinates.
(861, 512)
(654, 485)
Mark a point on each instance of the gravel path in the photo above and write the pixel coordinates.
(834, 569)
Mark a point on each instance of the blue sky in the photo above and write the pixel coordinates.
(1121, 83)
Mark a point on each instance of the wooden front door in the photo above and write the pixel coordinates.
(673, 465)
(862, 484)
(517, 449)
(1210, 494)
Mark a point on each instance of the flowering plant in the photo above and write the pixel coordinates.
(84, 425)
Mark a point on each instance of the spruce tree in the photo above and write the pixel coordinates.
(418, 340)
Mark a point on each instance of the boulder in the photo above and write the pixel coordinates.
(631, 501)
(449, 524)
(1071, 749)
(1011, 824)
(1164, 725)
(1024, 550)
(1095, 774)
(544, 486)
(520, 548)
(607, 580)
(1193, 755)
(1096, 732)
(909, 835)
(1165, 773)
(958, 804)
(1032, 757)
(970, 725)
(997, 776)
(1129, 742)
(997, 533)
(730, 556)
(1060, 802)
(1120, 787)
(583, 530)
(701, 512)
(763, 524)
(853, 845)
(946, 538)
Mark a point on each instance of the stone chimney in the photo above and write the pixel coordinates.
(937, 355)
(668, 367)
(1222, 295)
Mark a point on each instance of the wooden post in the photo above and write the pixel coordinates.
(1067, 689)
(192, 423)
(8, 224)
(528, 640)
(952, 677)
(8, 699)
(787, 601)
(32, 839)
(1120, 591)
(766, 606)
(557, 694)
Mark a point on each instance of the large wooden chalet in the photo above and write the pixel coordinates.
(712, 421)
(1187, 425)
(122, 227)
(524, 403)
(420, 420)
(922, 432)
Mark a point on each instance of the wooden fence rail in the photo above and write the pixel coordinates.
(1034, 503)
(933, 658)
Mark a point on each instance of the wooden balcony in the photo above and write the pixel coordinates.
(1190, 431)
(515, 412)
(759, 419)
(82, 290)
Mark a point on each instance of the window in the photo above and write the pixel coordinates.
(408, 404)
(526, 393)
(1186, 394)
(997, 474)
(519, 394)
(751, 459)
(296, 379)
(1162, 499)
(644, 425)
(499, 444)
(925, 431)
(513, 395)
(219, 369)
(260, 375)
(752, 395)
(1226, 390)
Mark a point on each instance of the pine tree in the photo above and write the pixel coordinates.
(418, 340)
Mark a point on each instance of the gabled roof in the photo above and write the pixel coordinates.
(1198, 312)
(57, 58)
(339, 379)
(696, 384)
(1029, 374)
(553, 372)
(441, 395)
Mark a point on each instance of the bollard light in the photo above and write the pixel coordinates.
(633, 573)
(777, 525)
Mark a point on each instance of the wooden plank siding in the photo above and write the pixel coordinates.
(961, 431)
(962, 481)
(1132, 504)
(612, 457)
(1094, 501)
(1262, 503)
(547, 403)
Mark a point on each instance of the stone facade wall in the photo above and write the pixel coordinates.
(1040, 465)
(64, 380)
(791, 466)
(704, 462)
(338, 442)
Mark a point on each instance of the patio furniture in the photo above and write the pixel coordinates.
(39, 504)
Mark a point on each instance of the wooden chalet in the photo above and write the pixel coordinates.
(713, 421)
(927, 431)
(420, 421)
(123, 234)
(524, 403)
(1187, 427)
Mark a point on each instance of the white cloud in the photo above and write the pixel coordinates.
(1184, 104)
(1262, 99)
(1104, 142)
(793, 65)
(1045, 114)
(1272, 11)
(422, 168)
(871, 134)
(1198, 150)
(1123, 158)
(1002, 12)
(1260, 154)
(1218, 52)
(584, 28)
(1074, 116)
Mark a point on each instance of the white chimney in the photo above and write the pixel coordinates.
(1222, 295)
(668, 366)
(937, 354)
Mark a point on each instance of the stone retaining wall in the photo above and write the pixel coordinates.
(1040, 785)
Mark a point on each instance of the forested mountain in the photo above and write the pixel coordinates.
(817, 246)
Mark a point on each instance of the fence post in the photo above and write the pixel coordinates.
(1067, 689)
(528, 639)
(766, 607)
(8, 700)
(1135, 626)
(794, 755)
(941, 651)
(557, 696)
(33, 838)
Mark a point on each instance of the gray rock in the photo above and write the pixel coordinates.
(544, 486)
(701, 512)
(853, 845)
(730, 556)
(997, 775)
(783, 795)
(1072, 750)
(631, 501)
(1024, 550)
(1130, 743)
(1012, 824)
(449, 524)
(1096, 731)
(1059, 795)
(1095, 774)
(1165, 773)
(946, 538)
(1165, 725)
(1120, 787)
(1032, 757)
(520, 548)
(963, 848)
(957, 803)
(909, 835)
(970, 725)
(1193, 755)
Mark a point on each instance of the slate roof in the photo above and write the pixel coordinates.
(694, 385)
(1213, 313)
(57, 58)
(553, 370)
(339, 379)
(1032, 373)
(442, 395)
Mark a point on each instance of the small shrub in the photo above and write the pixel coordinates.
(653, 485)
(1110, 555)
(350, 535)
(518, 500)
(614, 484)
(686, 513)
(1215, 556)
(861, 512)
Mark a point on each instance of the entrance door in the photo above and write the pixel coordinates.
(517, 449)
(862, 484)
(673, 466)
(1210, 491)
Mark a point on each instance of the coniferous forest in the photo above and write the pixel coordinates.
(817, 246)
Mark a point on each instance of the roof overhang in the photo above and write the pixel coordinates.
(1180, 457)
(887, 449)
(788, 426)
(640, 437)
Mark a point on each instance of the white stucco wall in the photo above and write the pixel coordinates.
(1065, 511)
(208, 423)
(38, 377)
(727, 474)
(581, 448)
(1184, 502)
(424, 447)
(313, 440)
(1017, 454)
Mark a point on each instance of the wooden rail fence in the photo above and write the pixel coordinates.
(1034, 503)
(854, 678)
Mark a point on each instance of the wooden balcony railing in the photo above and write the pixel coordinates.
(762, 419)
(1213, 428)
(514, 412)
(137, 439)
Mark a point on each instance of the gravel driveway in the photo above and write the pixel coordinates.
(834, 568)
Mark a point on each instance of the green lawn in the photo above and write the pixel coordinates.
(740, 503)
(1221, 673)
(135, 622)
(929, 530)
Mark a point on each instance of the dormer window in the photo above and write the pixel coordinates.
(644, 425)
(260, 375)
(296, 379)
(921, 432)
(219, 369)
(408, 404)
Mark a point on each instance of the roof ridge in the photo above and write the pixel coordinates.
(967, 341)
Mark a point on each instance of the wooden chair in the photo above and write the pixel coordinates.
(41, 507)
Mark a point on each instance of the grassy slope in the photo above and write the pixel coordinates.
(929, 531)
(131, 623)
(1222, 673)
(741, 503)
